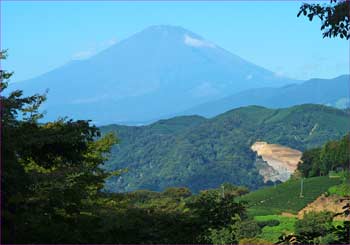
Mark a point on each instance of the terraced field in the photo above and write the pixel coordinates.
(285, 197)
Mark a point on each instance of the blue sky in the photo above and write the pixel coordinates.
(43, 35)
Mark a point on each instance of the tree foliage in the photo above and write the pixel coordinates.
(51, 172)
(335, 17)
(314, 224)
(317, 228)
(332, 156)
(203, 153)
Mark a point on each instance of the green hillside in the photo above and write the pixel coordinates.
(268, 203)
(285, 197)
(332, 156)
(203, 153)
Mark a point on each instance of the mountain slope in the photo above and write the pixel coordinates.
(159, 71)
(285, 197)
(203, 153)
(333, 92)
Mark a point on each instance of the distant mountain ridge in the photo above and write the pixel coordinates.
(333, 92)
(159, 71)
(202, 153)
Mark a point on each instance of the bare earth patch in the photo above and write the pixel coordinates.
(279, 161)
(331, 203)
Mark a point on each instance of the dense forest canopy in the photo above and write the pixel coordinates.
(202, 153)
(332, 156)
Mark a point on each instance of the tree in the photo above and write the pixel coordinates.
(314, 225)
(335, 17)
(214, 215)
(51, 171)
(215, 210)
(238, 230)
(332, 156)
(317, 228)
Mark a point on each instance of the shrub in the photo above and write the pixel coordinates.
(314, 224)
(270, 223)
(256, 241)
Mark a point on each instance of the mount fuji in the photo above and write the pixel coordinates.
(159, 71)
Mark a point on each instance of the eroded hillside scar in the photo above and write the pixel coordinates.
(276, 162)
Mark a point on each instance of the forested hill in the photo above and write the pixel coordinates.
(332, 156)
(203, 153)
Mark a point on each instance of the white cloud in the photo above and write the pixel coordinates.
(198, 43)
(85, 54)
(82, 55)
(280, 74)
(90, 100)
(205, 89)
(248, 77)
(110, 42)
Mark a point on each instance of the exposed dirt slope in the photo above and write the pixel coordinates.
(280, 161)
(331, 203)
